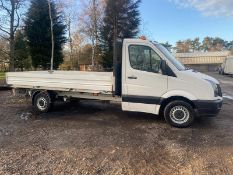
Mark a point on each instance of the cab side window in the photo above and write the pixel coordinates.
(144, 58)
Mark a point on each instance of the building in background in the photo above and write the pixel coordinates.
(203, 61)
(85, 65)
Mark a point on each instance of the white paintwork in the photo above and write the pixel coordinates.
(181, 93)
(187, 83)
(228, 65)
(191, 85)
(93, 82)
(147, 83)
(140, 107)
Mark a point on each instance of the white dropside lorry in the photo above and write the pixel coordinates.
(227, 66)
(146, 79)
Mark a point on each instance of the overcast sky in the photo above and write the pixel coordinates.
(173, 20)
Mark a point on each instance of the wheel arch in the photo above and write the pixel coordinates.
(51, 94)
(166, 101)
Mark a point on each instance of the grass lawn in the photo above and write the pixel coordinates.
(2, 75)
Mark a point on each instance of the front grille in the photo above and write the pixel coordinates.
(219, 90)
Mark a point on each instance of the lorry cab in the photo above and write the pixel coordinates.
(153, 81)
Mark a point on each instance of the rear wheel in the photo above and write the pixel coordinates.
(179, 114)
(220, 72)
(42, 102)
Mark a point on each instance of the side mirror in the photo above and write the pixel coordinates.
(163, 67)
(166, 70)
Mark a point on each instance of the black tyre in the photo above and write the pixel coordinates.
(179, 114)
(222, 72)
(42, 102)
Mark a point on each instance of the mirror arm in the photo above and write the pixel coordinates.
(163, 67)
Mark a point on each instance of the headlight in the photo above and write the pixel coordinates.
(215, 87)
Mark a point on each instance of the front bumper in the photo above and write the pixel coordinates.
(208, 108)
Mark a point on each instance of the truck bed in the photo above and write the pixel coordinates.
(90, 82)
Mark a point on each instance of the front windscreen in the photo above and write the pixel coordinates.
(171, 58)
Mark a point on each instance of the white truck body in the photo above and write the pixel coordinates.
(228, 66)
(152, 81)
(77, 81)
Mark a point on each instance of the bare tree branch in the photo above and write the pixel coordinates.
(52, 34)
(5, 52)
(3, 30)
(6, 28)
(18, 20)
(90, 20)
(5, 38)
(4, 7)
(10, 10)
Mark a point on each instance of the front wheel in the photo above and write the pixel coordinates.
(179, 114)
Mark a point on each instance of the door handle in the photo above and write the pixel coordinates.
(132, 78)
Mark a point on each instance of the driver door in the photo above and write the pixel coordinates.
(145, 82)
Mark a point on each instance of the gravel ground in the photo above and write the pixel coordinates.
(98, 138)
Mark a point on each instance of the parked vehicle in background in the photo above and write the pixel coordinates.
(147, 78)
(227, 66)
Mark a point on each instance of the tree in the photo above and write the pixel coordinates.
(167, 46)
(183, 46)
(179, 46)
(207, 44)
(78, 42)
(121, 20)
(52, 35)
(38, 31)
(90, 21)
(22, 59)
(86, 55)
(196, 45)
(4, 54)
(228, 45)
(214, 44)
(9, 23)
(218, 44)
(70, 16)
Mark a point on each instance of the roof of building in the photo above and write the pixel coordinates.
(203, 54)
(203, 57)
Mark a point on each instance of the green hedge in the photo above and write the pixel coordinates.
(2, 75)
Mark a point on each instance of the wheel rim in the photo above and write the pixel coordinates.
(42, 104)
(179, 114)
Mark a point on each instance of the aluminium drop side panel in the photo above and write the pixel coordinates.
(93, 82)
